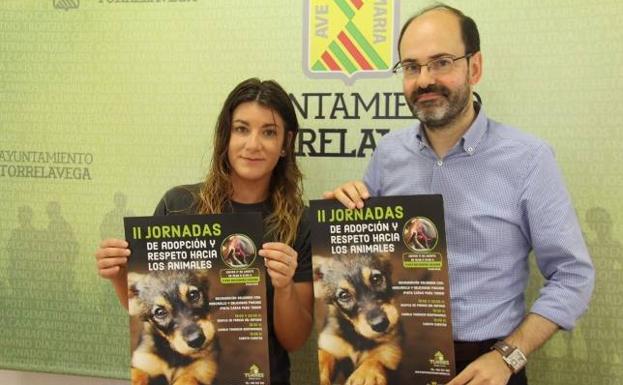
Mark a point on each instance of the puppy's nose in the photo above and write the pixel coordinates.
(377, 320)
(193, 336)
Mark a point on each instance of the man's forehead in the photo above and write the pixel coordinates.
(431, 34)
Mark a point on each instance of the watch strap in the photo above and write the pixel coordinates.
(504, 348)
(512, 356)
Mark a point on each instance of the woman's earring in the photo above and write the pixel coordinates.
(283, 153)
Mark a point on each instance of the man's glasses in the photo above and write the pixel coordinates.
(439, 66)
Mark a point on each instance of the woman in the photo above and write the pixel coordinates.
(253, 169)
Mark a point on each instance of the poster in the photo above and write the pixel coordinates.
(197, 299)
(381, 291)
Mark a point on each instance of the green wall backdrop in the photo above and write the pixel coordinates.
(105, 104)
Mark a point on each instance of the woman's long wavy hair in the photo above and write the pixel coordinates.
(285, 186)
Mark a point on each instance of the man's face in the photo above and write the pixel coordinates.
(437, 100)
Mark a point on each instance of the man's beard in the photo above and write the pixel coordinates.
(440, 112)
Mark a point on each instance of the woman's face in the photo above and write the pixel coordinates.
(255, 144)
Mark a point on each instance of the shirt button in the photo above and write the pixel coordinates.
(470, 149)
(440, 163)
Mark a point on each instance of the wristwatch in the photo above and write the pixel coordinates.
(514, 358)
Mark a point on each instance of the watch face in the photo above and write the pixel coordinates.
(516, 359)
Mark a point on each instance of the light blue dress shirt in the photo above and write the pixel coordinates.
(503, 197)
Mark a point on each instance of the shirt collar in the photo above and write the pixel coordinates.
(470, 140)
(421, 137)
(475, 133)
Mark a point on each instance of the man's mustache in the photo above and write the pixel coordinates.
(433, 88)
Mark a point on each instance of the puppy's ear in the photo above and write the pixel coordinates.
(384, 257)
(204, 280)
(133, 284)
(136, 283)
(386, 261)
(321, 265)
(203, 276)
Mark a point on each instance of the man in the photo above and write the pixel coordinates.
(503, 195)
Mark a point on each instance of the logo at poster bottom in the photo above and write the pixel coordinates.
(254, 373)
(349, 39)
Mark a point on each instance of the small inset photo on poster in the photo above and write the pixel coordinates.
(420, 234)
(238, 251)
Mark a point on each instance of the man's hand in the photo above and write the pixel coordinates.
(488, 369)
(350, 194)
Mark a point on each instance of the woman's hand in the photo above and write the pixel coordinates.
(281, 262)
(112, 258)
(293, 300)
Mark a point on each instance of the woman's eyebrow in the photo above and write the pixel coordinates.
(264, 125)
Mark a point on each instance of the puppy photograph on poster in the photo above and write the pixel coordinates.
(362, 333)
(178, 341)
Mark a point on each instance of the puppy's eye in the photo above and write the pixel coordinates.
(377, 279)
(194, 295)
(160, 313)
(343, 295)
